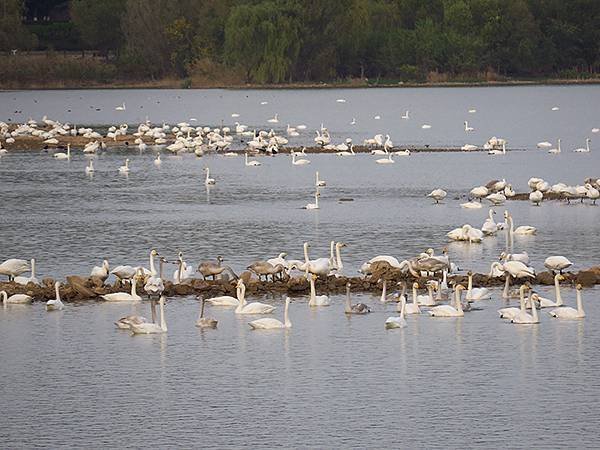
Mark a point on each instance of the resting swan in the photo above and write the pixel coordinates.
(524, 318)
(474, 294)
(55, 304)
(268, 323)
(251, 308)
(447, 310)
(511, 312)
(521, 230)
(427, 299)
(13, 267)
(567, 312)
(24, 281)
(124, 296)
(413, 308)
(205, 322)
(228, 300)
(399, 321)
(15, 299)
(152, 328)
(316, 300)
(547, 303)
(357, 308)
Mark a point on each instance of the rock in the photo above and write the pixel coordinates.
(587, 278)
(545, 278)
(298, 284)
(79, 288)
(95, 282)
(182, 289)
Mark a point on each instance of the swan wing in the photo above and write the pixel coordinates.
(565, 312)
(257, 308)
(265, 324)
(225, 300)
(444, 311)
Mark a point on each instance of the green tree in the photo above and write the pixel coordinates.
(13, 35)
(99, 23)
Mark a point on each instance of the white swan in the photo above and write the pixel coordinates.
(406, 115)
(100, 271)
(586, 149)
(387, 160)
(547, 303)
(124, 296)
(154, 284)
(299, 162)
(208, 180)
(228, 300)
(511, 312)
(124, 323)
(152, 328)
(318, 182)
(120, 108)
(89, 169)
(438, 195)
(471, 205)
(268, 323)
(521, 230)
(319, 266)
(448, 310)
(251, 308)
(15, 299)
(399, 321)
(524, 318)
(26, 280)
(62, 155)
(413, 308)
(475, 294)
(316, 300)
(157, 160)
(544, 144)
(490, 227)
(556, 150)
(347, 153)
(536, 197)
(554, 263)
(55, 304)
(314, 205)
(427, 299)
(250, 163)
(467, 127)
(125, 168)
(567, 312)
(184, 270)
(13, 267)
(274, 119)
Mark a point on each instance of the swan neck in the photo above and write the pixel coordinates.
(457, 300)
(57, 291)
(521, 300)
(559, 300)
(312, 299)
(152, 268)
(470, 286)
(286, 316)
(414, 296)
(4, 297)
(534, 312)
(163, 322)
(384, 291)
(403, 308)
(133, 288)
(32, 268)
(506, 285)
(348, 308)
(579, 302)
(338, 254)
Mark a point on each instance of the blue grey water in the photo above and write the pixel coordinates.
(71, 377)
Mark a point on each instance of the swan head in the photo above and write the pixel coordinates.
(502, 256)
(415, 285)
(282, 255)
(429, 251)
(57, 284)
(240, 283)
(579, 287)
(559, 277)
(153, 252)
(459, 287)
(348, 286)
(220, 259)
(524, 288)
(341, 244)
(469, 273)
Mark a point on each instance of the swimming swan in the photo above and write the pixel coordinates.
(26, 280)
(399, 321)
(316, 300)
(511, 312)
(55, 304)
(152, 328)
(251, 308)
(205, 322)
(124, 296)
(15, 299)
(569, 313)
(413, 308)
(447, 310)
(357, 308)
(268, 323)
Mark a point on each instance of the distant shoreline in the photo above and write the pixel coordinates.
(178, 84)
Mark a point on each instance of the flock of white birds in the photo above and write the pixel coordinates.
(187, 138)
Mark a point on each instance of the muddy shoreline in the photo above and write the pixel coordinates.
(77, 288)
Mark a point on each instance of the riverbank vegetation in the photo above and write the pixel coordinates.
(189, 43)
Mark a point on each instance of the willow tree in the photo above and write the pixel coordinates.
(264, 40)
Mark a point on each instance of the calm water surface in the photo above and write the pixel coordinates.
(330, 381)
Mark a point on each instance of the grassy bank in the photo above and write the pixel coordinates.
(69, 71)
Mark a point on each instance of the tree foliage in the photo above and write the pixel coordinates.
(274, 41)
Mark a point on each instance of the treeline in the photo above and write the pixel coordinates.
(276, 41)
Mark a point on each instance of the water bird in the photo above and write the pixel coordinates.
(357, 308)
(557, 263)
(299, 162)
(205, 322)
(586, 149)
(438, 195)
(55, 304)
(397, 321)
(273, 119)
(268, 323)
(24, 281)
(89, 169)
(208, 181)
(251, 308)
(251, 163)
(569, 313)
(467, 127)
(405, 116)
(62, 155)
(316, 300)
(13, 267)
(120, 108)
(448, 310)
(319, 182)
(15, 299)
(314, 205)
(152, 328)
(125, 168)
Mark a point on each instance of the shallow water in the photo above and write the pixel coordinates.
(330, 381)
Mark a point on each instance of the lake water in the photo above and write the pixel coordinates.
(330, 381)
